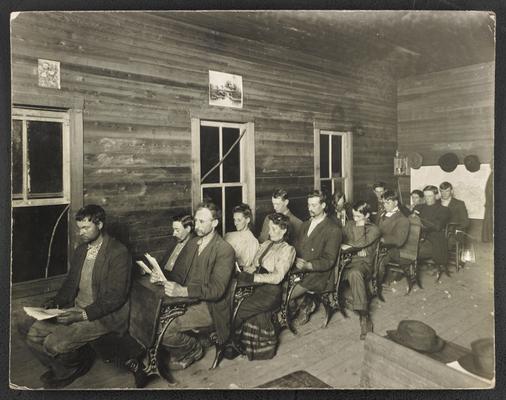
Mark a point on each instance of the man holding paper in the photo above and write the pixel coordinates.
(210, 262)
(94, 297)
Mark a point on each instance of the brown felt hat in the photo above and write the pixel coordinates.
(481, 359)
(472, 163)
(448, 162)
(417, 336)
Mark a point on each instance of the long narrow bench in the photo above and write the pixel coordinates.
(388, 365)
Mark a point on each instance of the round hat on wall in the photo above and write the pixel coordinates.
(414, 160)
(448, 162)
(472, 163)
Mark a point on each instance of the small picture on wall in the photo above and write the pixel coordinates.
(49, 74)
(225, 90)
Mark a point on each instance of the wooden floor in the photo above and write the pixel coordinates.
(459, 308)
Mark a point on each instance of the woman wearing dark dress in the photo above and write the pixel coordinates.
(254, 328)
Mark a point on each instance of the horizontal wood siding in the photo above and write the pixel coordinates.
(448, 111)
(144, 77)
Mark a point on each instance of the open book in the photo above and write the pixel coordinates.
(41, 314)
(155, 267)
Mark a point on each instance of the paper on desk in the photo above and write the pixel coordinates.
(156, 266)
(345, 246)
(40, 313)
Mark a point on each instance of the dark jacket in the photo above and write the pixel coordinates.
(394, 229)
(181, 268)
(434, 219)
(321, 249)
(110, 284)
(458, 213)
(211, 281)
(364, 238)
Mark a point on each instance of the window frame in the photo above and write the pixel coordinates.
(346, 161)
(26, 114)
(247, 163)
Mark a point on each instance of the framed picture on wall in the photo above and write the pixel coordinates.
(225, 90)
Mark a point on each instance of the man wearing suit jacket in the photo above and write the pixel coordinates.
(317, 246)
(210, 261)
(95, 298)
(280, 204)
(394, 228)
(458, 210)
(173, 262)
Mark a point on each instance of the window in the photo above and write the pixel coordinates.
(231, 181)
(40, 193)
(333, 161)
(40, 158)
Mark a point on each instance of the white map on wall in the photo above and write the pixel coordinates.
(467, 186)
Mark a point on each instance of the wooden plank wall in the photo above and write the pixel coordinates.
(447, 111)
(143, 77)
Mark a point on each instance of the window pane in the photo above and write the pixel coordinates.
(324, 156)
(17, 158)
(336, 156)
(209, 153)
(45, 159)
(233, 197)
(231, 165)
(326, 187)
(214, 195)
(31, 234)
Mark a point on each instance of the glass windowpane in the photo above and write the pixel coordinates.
(324, 156)
(209, 153)
(336, 156)
(232, 164)
(45, 159)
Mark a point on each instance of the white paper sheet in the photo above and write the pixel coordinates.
(41, 314)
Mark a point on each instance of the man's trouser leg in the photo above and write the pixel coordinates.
(53, 344)
(179, 343)
(356, 275)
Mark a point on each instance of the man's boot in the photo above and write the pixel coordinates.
(366, 325)
(67, 367)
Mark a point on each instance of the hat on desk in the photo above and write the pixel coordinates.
(481, 359)
(417, 336)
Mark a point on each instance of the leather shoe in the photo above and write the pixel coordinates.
(52, 382)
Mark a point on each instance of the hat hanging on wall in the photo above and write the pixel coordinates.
(448, 162)
(414, 160)
(472, 163)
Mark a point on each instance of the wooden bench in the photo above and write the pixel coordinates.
(388, 365)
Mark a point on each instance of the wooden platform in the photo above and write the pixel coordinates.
(459, 308)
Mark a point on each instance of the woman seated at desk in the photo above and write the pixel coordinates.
(362, 235)
(245, 244)
(254, 327)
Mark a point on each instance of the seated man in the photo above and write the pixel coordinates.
(210, 262)
(374, 199)
(416, 198)
(434, 218)
(317, 246)
(394, 228)
(95, 295)
(280, 204)
(173, 262)
(362, 235)
(458, 210)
